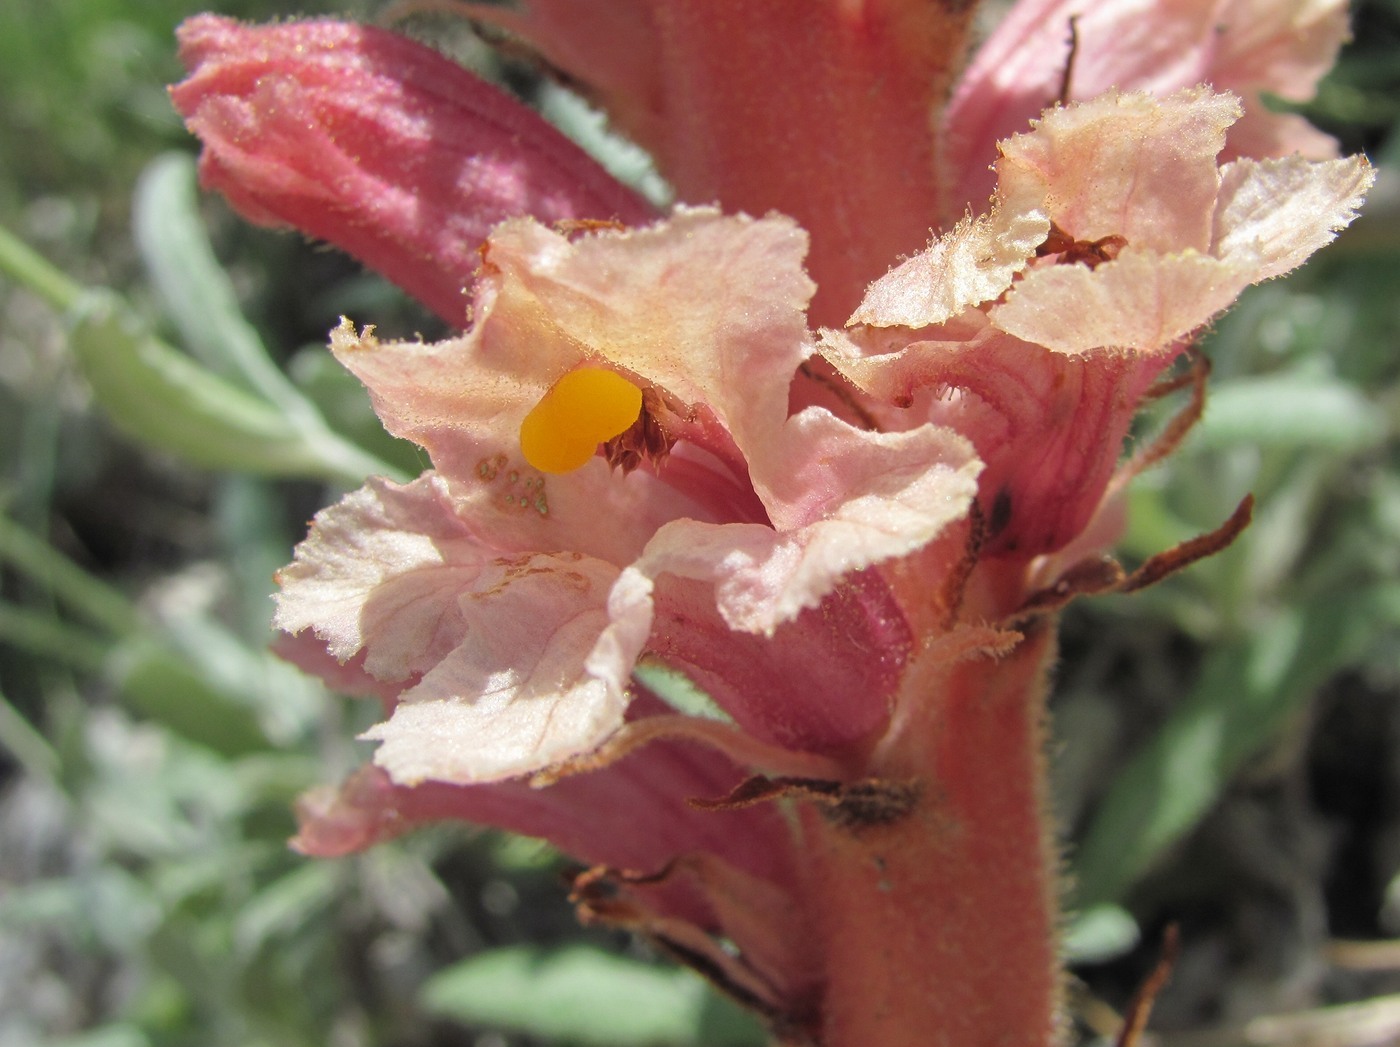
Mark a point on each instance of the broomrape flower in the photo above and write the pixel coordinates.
(646, 448)
(512, 589)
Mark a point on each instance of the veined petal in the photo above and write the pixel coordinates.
(1246, 46)
(464, 400)
(706, 309)
(540, 675)
(974, 263)
(1094, 169)
(709, 307)
(1140, 173)
(1281, 49)
(308, 652)
(1260, 220)
(848, 500)
(380, 573)
(730, 874)
(1129, 165)
(887, 493)
(379, 145)
(1276, 213)
(1151, 240)
(1140, 301)
(1049, 426)
(512, 660)
(823, 682)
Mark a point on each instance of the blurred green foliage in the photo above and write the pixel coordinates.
(150, 748)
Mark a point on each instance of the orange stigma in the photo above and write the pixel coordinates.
(583, 409)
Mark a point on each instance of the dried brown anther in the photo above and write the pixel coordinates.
(1155, 568)
(1096, 574)
(1089, 252)
(646, 439)
(573, 226)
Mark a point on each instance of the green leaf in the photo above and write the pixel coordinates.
(282, 697)
(162, 685)
(117, 1035)
(163, 398)
(286, 907)
(584, 996)
(193, 288)
(1102, 933)
(83, 593)
(678, 690)
(1247, 691)
(1290, 410)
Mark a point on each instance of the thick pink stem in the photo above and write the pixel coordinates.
(940, 920)
(821, 109)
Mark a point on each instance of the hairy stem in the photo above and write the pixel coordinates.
(940, 922)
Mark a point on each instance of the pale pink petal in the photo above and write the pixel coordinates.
(513, 661)
(709, 307)
(379, 145)
(1096, 169)
(308, 653)
(464, 400)
(630, 815)
(1125, 165)
(1276, 213)
(381, 573)
(1269, 218)
(1247, 46)
(539, 675)
(846, 500)
(1166, 241)
(880, 494)
(974, 263)
(1282, 49)
(1141, 301)
(1142, 173)
(849, 499)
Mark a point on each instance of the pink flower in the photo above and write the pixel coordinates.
(512, 603)
(1050, 360)
(502, 608)
(643, 453)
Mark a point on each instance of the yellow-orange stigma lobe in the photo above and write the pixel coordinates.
(583, 409)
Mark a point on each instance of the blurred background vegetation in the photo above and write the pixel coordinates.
(1228, 744)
